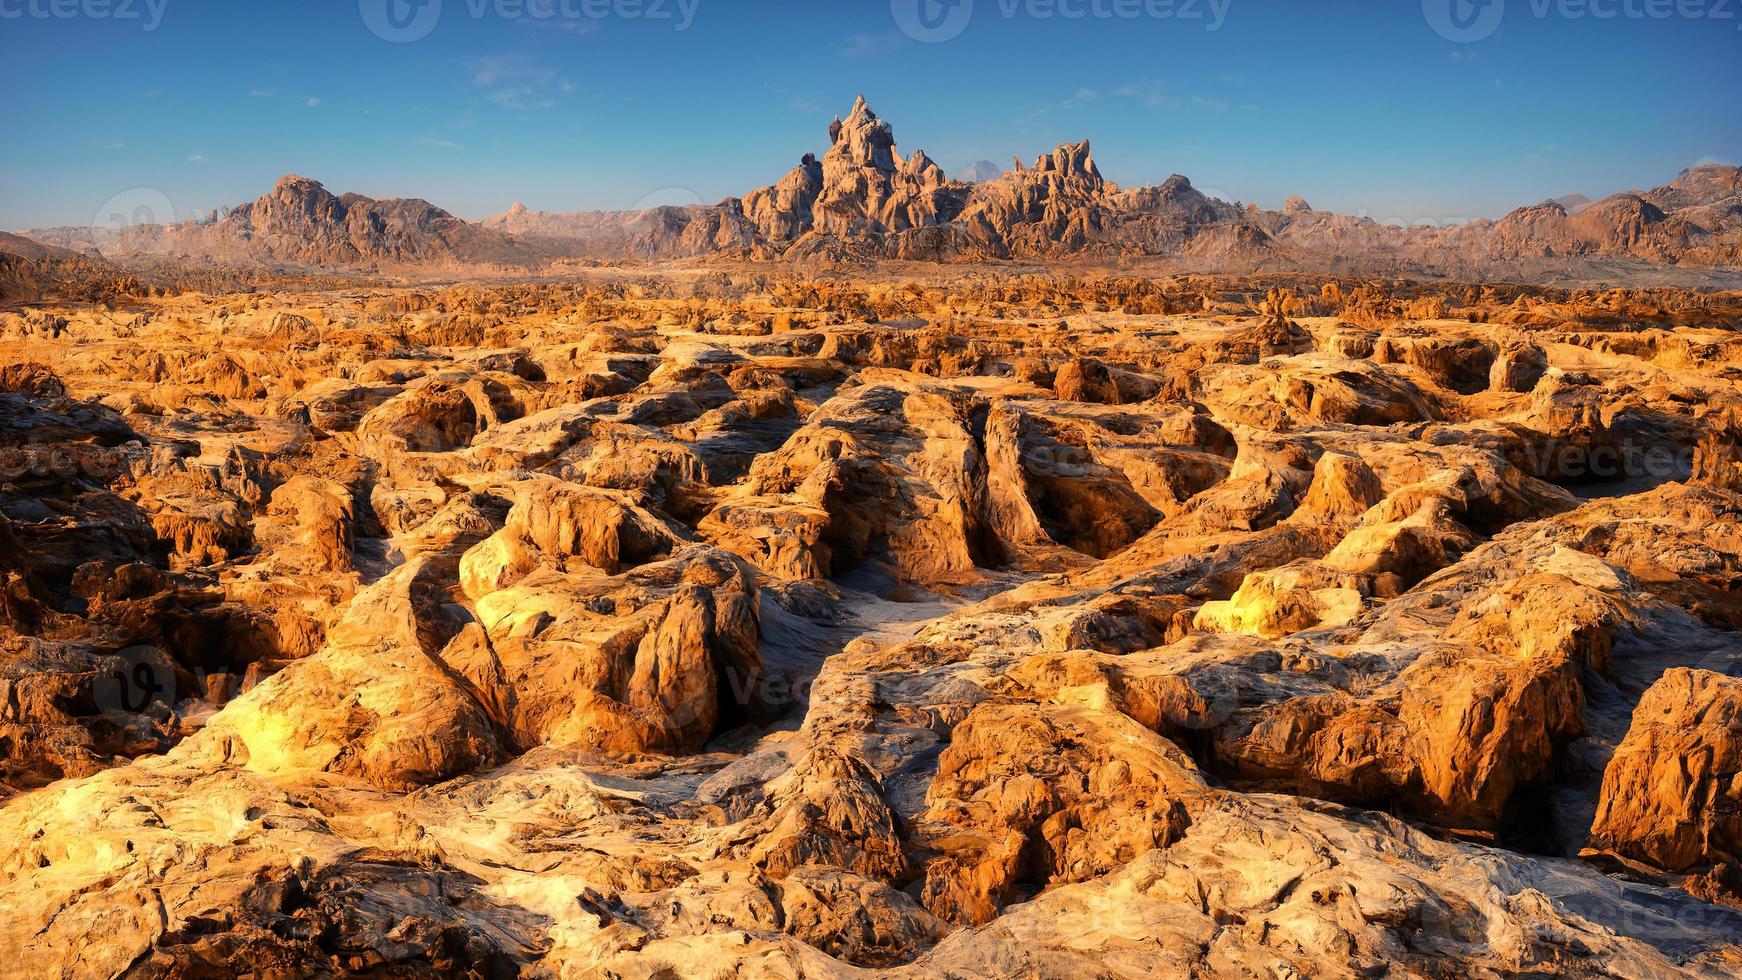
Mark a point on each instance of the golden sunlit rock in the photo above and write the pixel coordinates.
(1042, 625)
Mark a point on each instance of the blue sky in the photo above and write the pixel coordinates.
(1360, 107)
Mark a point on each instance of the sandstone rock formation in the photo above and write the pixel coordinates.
(677, 621)
(300, 223)
(864, 200)
(1672, 795)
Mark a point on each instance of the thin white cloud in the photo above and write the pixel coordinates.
(1082, 97)
(509, 68)
(440, 144)
(313, 103)
(514, 83)
(509, 98)
(196, 158)
(1150, 93)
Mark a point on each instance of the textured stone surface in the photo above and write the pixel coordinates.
(863, 198)
(672, 622)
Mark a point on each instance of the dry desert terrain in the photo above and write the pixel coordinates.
(737, 622)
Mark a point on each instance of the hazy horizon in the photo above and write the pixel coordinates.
(570, 105)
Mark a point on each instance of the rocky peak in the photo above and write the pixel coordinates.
(922, 166)
(1546, 209)
(300, 221)
(1177, 190)
(296, 183)
(1174, 198)
(861, 195)
(1630, 207)
(1698, 186)
(863, 141)
(1619, 224)
(1059, 204)
(866, 187)
(1070, 159)
(299, 197)
(782, 212)
(1068, 171)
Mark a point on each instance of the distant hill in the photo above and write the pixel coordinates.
(30, 248)
(299, 222)
(31, 271)
(863, 200)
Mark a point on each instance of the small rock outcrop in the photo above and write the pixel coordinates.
(1672, 793)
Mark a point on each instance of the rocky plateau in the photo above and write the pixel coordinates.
(741, 620)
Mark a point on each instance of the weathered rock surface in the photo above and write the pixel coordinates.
(862, 199)
(679, 623)
(1672, 795)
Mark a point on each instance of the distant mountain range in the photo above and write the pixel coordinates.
(863, 200)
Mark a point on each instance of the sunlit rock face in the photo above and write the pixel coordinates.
(863, 196)
(744, 623)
